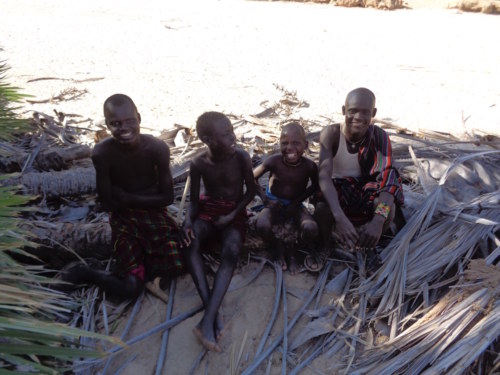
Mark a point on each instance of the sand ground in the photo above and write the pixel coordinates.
(430, 68)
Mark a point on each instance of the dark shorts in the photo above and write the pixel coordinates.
(145, 243)
(211, 208)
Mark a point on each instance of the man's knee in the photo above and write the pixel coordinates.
(322, 211)
(309, 230)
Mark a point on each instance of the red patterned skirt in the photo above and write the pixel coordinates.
(146, 243)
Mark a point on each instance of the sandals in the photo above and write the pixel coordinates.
(315, 261)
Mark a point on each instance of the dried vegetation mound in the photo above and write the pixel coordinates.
(378, 4)
(477, 6)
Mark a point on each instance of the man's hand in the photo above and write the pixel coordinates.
(371, 232)
(346, 234)
(187, 234)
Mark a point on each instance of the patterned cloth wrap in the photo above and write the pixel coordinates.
(210, 208)
(145, 243)
(356, 199)
(356, 195)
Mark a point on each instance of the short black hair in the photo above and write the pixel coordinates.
(362, 91)
(117, 100)
(205, 121)
(296, 126)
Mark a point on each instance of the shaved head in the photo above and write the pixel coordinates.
(117, 100)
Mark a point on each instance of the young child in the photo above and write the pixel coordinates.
(220, 214)
(135, 185)
(290, 174)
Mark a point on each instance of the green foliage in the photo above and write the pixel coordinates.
(10, 124)
(30, 341)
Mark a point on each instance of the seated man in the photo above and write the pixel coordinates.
(289, 175)
(135, 185)
(219, 214)
(360, 187)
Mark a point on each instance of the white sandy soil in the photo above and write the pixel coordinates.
(430, 68)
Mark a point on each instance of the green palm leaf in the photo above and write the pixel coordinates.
(30, 341)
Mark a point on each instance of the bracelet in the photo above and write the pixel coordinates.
(382, 209)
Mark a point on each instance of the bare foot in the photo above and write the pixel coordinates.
(155, 289)
(218, 327)
(280, 261)
(206, 342)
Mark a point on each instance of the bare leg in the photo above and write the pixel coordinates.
(293, 265)
(323, 223)
(194, 260)
(324, 220)
(231, 246)
(129, 286)
(263, 226)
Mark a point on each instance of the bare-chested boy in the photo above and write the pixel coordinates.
(290, 174)
(226, 172)
(135, 185)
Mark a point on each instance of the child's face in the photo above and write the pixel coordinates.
(222, 140)
(123, 122)
(293, 145)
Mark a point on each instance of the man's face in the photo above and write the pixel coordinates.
(292, 145)
(358, 111)
(123, 122)
(222, 140)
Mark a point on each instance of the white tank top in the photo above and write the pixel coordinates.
(344, 163)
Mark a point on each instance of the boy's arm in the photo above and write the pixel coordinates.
(194, 200)
(103, 181)
(160, 195)
(343, 227)
(249, 182)
(257, 173)
(313, 187)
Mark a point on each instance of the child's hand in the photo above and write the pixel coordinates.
(187, 234)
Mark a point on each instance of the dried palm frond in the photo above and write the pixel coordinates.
(76, 236)
(412, 245)
(453, 333)
(72, 182)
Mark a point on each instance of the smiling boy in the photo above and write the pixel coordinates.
(220, 214)
(135, 186)
(289, 175)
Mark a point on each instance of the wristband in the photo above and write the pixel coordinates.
(382, 209)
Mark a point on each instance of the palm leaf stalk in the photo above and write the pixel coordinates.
(257, 361)
(272, 319)
(390, 282)
(130, 320)
(164, 340)
(454, 332)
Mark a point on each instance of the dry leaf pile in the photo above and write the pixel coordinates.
(432, 307)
